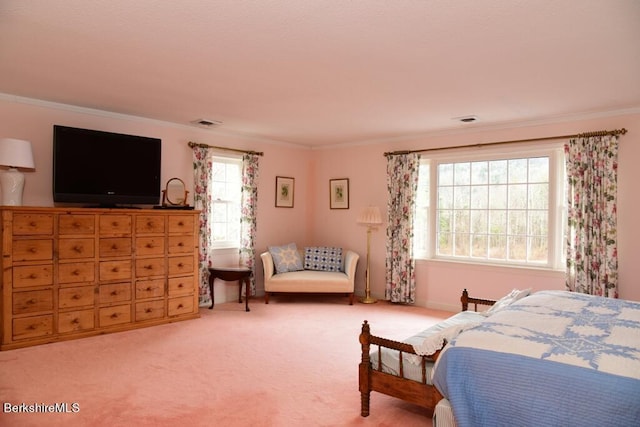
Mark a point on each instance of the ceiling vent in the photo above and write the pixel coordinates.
(206, 123)
(467, 119)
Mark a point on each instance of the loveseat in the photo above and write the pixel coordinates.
(311, 270)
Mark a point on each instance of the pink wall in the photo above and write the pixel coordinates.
(310, 221)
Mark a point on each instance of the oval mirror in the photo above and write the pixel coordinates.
(175, 193)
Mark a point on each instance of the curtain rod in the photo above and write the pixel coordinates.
(196, 144)
(488, 144)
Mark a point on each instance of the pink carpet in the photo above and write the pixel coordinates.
(293, 362)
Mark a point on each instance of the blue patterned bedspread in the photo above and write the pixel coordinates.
(553, 358)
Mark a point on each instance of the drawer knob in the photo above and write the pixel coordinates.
(75, 296)
(148, 267)
(149, 245)
(149, 289)
(181, 285)
(180, 265)
(77, 249)
(75, 321)
(33, 250)
(32, 327)
(33, 276)
(114, 316)
(76, 272)
(180, 306)
(115, 270)
(181, 223)
(114, 247)
(181, 244)
(148, 310)
(32, 301)
(114, 293)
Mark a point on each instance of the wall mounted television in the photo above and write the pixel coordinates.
(105, 169)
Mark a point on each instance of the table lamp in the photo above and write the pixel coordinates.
(14, 154)
(371, 218)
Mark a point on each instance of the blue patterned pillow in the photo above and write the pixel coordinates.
(286, 258)
(323, 259)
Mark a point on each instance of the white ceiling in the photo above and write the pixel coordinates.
(326, 72)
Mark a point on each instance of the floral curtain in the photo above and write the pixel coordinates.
(402, 184)
(202, 201)
(248, 214)
(592, 254)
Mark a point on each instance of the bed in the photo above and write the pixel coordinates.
(553, 358)
(395, 368)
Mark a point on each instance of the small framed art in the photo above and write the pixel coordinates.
(284, 192)
(339, 193)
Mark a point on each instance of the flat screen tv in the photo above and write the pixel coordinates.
(105, 169)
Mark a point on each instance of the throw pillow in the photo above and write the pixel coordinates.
(286, 258)
(323, 258)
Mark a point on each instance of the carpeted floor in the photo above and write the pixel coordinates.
(293, 362)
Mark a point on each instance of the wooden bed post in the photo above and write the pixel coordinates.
(464, 299)
(364, 380)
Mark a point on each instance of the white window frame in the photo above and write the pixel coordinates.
(224, 244)
(556, 209)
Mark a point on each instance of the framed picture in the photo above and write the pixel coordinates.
(339, 193)
(284, 192)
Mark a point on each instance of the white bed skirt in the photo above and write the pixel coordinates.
(443, 415)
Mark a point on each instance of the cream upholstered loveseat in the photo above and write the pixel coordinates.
(310, 280)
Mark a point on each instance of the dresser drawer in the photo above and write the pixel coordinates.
(180, 305)
(78, 296)
(181, 286)
(33, 275)
(115, 270)
(115, 225)
(116, 315)
(76, 224)
(181, 245)
(32, 301)
(150, 267)
(146, 224)
(149, 288)
(76, 272)
(181, 224)
(116, 292)
(115, 246)
(32, 327)
(149, 310)
(180, 265)
(76, 248)
(33, 250)
(32, 224)
(146, 246)
(73, 321)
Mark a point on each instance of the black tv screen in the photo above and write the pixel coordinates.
(104, 168)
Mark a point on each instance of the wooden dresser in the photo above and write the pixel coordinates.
(75, 272)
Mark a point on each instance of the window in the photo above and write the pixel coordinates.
(502, 208)
(226, 185)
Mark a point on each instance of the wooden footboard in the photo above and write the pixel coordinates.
(373, 379)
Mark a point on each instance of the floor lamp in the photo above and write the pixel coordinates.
(371, 218)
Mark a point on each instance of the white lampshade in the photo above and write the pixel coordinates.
(14, 153)
(370, 216)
